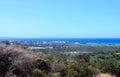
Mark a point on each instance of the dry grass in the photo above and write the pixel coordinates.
(105, 75)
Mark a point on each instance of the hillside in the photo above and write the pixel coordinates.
(16, 61)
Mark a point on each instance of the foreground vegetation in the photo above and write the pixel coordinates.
(16, 61)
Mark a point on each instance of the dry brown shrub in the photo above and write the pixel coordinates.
(20, 59)
(57, 66)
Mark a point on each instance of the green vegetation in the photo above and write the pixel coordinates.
(15, 61)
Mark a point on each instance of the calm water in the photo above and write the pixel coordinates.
(80, 40)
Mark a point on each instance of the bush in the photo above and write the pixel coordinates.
(37, 73)
(83, 70)
(21, 60)
(111, 66)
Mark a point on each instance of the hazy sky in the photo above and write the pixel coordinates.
(60, 18)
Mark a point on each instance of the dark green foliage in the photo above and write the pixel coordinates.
(6, 42)
(84, 70)
(111, 66)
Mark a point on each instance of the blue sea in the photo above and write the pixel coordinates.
(69, 40)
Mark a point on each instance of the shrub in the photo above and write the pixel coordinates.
(37, 73)
(18, 58)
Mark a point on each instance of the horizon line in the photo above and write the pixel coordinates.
(59, 37)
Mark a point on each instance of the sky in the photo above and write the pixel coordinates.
(60, 18)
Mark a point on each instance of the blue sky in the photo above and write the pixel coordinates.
(60, 18)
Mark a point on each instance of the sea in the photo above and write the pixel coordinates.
(67, 40)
